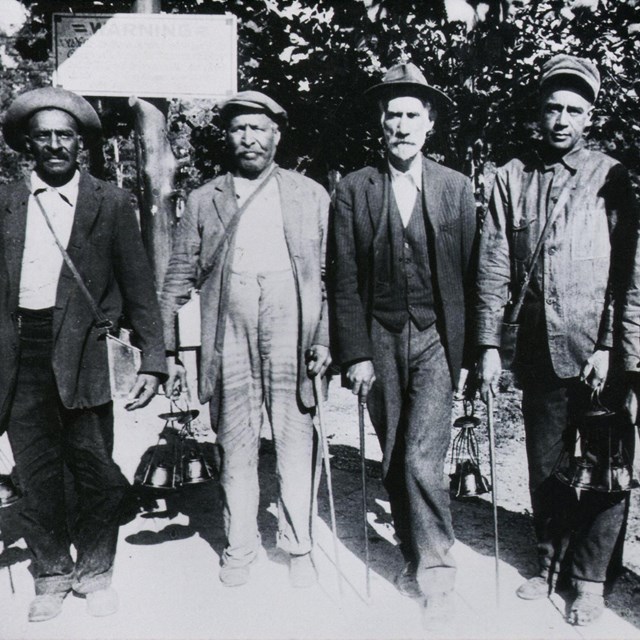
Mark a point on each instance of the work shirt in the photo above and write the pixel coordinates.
(42, 259)
(406, 186)
(585, 264)
(260, 244)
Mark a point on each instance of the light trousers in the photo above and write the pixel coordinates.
(259, 369)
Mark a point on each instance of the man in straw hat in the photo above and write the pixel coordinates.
(253, 242)
(567, 346)
(401, 246)
(55, 394)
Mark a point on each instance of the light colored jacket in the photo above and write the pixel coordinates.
(209, 210)
(586, 262)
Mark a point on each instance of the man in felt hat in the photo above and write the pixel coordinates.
(401, 246)
(55, 397)
(568, 344)
(253, 242)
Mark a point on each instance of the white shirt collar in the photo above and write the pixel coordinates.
(414, 173)
(69, 190)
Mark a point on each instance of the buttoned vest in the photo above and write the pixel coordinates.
(404, 287)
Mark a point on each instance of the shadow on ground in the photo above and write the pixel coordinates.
(202, 505)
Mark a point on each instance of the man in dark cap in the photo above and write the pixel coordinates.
(55, 398)
(577, 206)
(401, 246)
(253, 242)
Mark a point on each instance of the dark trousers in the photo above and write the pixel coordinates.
(45, 437)
(410, 408)
(575, 531)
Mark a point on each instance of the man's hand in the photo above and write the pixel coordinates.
(632, 399)
(143, 389)
(361, 377)
(176, 383)
(488, 372)
(595, 370)
(318, 360)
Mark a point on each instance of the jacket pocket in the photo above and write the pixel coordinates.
(522, 239)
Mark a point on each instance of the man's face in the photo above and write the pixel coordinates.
(564, 115)
(405, 124)
(54, 140)
(253, 139)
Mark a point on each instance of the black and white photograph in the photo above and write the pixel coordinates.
(319, 319)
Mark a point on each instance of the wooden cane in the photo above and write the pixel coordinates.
(363, 469)
(494, 491)
(317, 387)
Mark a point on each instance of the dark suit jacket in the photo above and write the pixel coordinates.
(360, 207)
(106, 248)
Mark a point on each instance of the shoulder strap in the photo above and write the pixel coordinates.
(233, 225)
(514, 311)
(102, 321)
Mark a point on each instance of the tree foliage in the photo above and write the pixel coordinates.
(318, 57)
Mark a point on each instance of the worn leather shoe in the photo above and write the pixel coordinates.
(45, 606)
(103, 602)
(234, 576)
(588, 605)
(538, 587)
(302, 573)
(406, 581)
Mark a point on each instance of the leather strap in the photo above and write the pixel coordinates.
(514, 311)
(102, 322)
(233, 225)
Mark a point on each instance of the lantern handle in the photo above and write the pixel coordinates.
(469, 408)
(596, 403)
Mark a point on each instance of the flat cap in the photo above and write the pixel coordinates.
(572, 70)
(254, 101)
(25, 105)
(406, 79)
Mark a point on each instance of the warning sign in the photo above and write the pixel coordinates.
(146, 55)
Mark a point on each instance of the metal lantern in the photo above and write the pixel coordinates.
(467, 480)
(598, 459)
(177, 458)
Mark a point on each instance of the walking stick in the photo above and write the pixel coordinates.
(317, 387)
(494, 491)
(363, 468)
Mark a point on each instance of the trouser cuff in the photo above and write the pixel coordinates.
(89, 584)
(53, 584)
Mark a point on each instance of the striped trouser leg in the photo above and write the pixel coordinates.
(260, 365)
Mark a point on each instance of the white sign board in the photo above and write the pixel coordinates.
(146, 55)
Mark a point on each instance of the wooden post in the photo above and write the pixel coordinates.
(156, 167)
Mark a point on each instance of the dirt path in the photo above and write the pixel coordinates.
(166, 569)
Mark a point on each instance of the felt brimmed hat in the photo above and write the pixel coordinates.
(25, 105)
(253, 101)
(405, 79)
(571, 71)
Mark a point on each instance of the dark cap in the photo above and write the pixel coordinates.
(405, 79)
(253, 101)
(571, 71)
(24, 106)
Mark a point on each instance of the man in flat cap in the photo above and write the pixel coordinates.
(561, 234)
(401, 246)
(55, 397)
(253, 242)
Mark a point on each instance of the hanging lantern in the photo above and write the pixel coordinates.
(598, 459)
(467, 480)
(177, 458)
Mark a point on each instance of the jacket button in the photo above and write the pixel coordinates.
(550, 300)
(552, 250)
